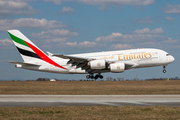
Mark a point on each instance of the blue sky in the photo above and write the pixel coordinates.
(80, 26)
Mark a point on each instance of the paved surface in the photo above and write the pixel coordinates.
(89, 100)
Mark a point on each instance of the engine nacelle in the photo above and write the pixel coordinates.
(97, 64)
(117, 67)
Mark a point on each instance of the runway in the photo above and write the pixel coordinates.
(88, 100)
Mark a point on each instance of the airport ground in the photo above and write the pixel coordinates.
(90, 113)
(159, 87)
(90, 88)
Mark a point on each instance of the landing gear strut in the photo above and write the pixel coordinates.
(164, 69)
(94, 77)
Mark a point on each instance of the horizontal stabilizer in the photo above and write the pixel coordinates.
(22, 63)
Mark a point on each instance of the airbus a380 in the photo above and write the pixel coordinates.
(86, 63)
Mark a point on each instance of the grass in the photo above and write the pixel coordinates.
(90, 113)
(90, 87)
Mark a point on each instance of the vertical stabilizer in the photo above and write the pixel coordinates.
(26, 48)
(29, 51)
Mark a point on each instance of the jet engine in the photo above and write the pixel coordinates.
(117, 67)
(97, 64)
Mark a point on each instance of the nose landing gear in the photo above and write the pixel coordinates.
(164, 69)
(94, 77)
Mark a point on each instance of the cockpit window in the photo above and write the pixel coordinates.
(167, 54)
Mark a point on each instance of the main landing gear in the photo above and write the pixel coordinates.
(91, 76)
(164, 69)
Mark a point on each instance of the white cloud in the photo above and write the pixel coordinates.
(56, 35)
(15, 7)
(169, 9)
(55, 1)
(5, 42)
(58, 1)
(103, 7)
(81, 45)
(108, 2)
(67, 10)
(164, 43)
(63, 39)
(169, 40)
(148, 20)
(29, 23)
(72, 43)
(87, 44)
(140, 39)
(59, 38)
(108, 38)
(137, 39)
(120, 46)
(169, 18)
(137, 36)
(149, 43)
(147, 30)
(118, 2)
(157, 31)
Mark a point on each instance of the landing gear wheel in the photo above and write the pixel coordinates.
(88, 76)
(92, 77)
(96, 77)
(101, 76)
(164, 67)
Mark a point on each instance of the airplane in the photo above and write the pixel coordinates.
(86, 63)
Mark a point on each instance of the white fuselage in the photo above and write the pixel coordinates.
(87, 63)
(134, 58)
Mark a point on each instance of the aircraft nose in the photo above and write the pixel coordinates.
(172, 59)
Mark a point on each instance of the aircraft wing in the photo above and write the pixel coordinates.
(79, 62)
(22, 63)
(70, 57)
